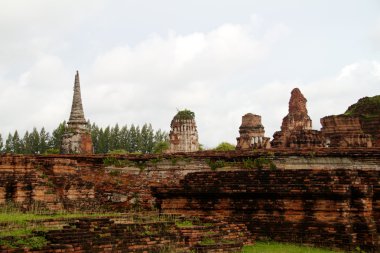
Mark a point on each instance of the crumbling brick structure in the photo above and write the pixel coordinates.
(357, 127)
(77, 137)
(296, 129)
(184, 135)
(252, 134)
(344, 131)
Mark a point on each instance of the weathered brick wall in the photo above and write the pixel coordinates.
(330, 208)
(326, 196)
(86, 183)
(115, 235)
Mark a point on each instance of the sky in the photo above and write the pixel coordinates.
(142, 60)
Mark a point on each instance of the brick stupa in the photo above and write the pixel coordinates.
(252, 133)
(296, 129)
(77, 137)
(183, 135)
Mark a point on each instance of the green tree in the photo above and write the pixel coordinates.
(16, 143)
(56, 136)
(161, 147)
(34, 139)
(146, 139)
(9, 144)
(124, 138)
(1, 144)
(43, 144)
(225, 146)
(114, 139)
(132, 139)
(95, 132)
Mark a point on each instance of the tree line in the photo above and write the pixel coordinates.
(105, 140)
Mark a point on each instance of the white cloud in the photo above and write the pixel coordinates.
(210, 72)
(147, 82)
(40, 97)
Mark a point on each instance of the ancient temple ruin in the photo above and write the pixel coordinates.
(183, 135)
(252, 133)
(344, 131)
(296, 129)
(77, 137)
(357, 127)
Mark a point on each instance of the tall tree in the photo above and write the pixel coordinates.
(57, 134)
(1, 144)
(16, 143)
(27, 144)
(43, 144)
(9, 144)
(34, 141)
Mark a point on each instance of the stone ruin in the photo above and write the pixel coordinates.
(252, 134)
(77, 136)
(344, 131)
(183, 135)
(296, 129)
(357, 127)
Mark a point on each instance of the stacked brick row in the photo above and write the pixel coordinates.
(329, 208)
(105, 235)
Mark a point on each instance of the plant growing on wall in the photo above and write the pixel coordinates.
(185, 114)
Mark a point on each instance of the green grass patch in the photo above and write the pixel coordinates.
(35, 242)
(113, 161)
(275, 247)
(216, 164)
(207, 241)
(184, 224)
(258, 163)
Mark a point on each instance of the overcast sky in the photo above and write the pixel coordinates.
(139, 61)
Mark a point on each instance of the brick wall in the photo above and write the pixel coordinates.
(330, 208)
(319, 196)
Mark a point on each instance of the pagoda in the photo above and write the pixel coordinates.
(77, 136)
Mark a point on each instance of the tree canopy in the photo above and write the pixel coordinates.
(224, 146)
(129, 139)
(185, 114)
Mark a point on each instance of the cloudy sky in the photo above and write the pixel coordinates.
(141, 60)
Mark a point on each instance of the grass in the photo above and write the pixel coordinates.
(275, 247)
(184, 224)
(35, 242)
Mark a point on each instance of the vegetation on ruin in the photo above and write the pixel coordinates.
(207, 241)
(184, 224)
(113, 161)
(27, 229)
(225, 146)
(34, 242)
(258, 163)
(161, 147)
(21, 229)
(184, 114)
(365, 107)
(215, 164)
(114, 140)
(275, 247)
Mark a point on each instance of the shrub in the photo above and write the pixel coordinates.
(258, 163)
(225, 146)
(118, 152)
(161, 147)
(216, 164)
(185, 114)
(51, 151)
(113, 161)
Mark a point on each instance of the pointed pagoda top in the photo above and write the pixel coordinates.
(77, 115)
(297, 102)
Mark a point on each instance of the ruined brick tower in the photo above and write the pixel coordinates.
(183, 135)
(296, 129)
(77, 137)
(251, 133)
